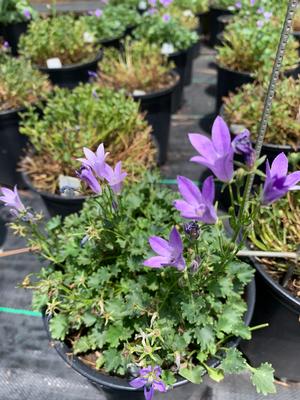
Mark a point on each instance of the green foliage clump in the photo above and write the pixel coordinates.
(20, 84)
(196, 6)
(113, 22)
(223, 4)
(251, 47)
(61, 36)
(140, 66)
(246, 106)
(84, 117)
(107, 305)
(12, 11)
(154, 29)
(277, 228)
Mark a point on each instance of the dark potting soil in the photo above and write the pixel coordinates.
(293, 284)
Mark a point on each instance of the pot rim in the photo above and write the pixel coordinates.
(51, 196)
(118, 383)
(160, 92)
(112, 39)
(290, 299)
(72, 67)
(244, 73)
(8, 113)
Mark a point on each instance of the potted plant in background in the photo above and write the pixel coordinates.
(15, 16)
(109, 302)
(146, 75)
(242, 111)
(200, 9)
(296, 25)
(248, 51)
(110, 24)
(217, 9)
(175, 40)
(278, 296)
(84, 117)
(63, 48)
(20, 86)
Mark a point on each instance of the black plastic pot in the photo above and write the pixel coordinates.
(56, 204)
(223, 20)
(215, 27)
(278, 344)
(12, 33)
(12, 144)
(113, 42)
(116, 388)
(3, 228)
(193, 52)
(71, 75)
(204, 23)
(158, 108)
(182, 60)
(229, 81)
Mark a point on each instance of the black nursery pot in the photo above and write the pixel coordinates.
(229, 81)
(158, 108)
(56, 204)
(204, 23)
(12, 144)
(297, 37)
(271, 151)
(71, 75)
(12, 33)
(114, 42)
(279, 343)
(215, 26)
(116, 388)
(3, 228)
(183, 64)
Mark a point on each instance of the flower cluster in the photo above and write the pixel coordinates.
(94, 169)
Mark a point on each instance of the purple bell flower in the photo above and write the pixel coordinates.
(27, 13)
(95, 161)
(115, 177)
(11, 198)
(166, 3)
(87, 176)
(215, 153)
(278, 182)
(242, 145)
(169, 252)
(149, 379)
(196, 205)
(166, 17)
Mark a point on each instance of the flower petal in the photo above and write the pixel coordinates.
(280, 165)
(221, 136)
(185, 208)
(160, 246)
(159, 386)
(175, 240)
(148, 393)
(203, 145)
(292, 179)
(138, 382)
(208, 190)
(157, 262)
(189, 191)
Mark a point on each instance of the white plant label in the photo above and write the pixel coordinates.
(69, 186)
(138, 92)
(53, 63)
(88, 37)
(167, 48)
(142, 5)
(188, 13)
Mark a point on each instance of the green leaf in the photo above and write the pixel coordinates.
(89, 319)
(100, 361)
(58, 326)
(82, 345)
(116, 333)
(244, 272)
(234, 362)
(168, 377)
(112, 360)
(215, 373)
(206, 338)
(193, 374)
(263, 379)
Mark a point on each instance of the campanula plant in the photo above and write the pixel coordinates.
(85, 117)
(146, 283)
(20, 83)
(14, 11)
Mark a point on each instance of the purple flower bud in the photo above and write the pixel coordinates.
(27, 13)
(166, 17)
(192, 230)
(87, 176)
(166, 3)
(93, 74)
(195, 264)
(98, 13)
(242, 145)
